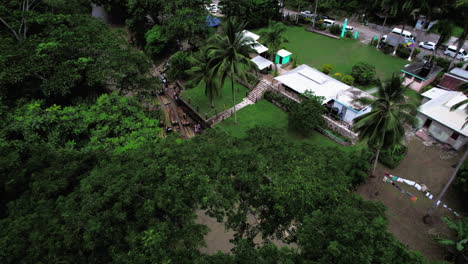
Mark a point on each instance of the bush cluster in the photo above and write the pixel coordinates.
(363, 73)
(327, 68)
(335, 29)
(284, 102)
(348, 79)
(393, 156)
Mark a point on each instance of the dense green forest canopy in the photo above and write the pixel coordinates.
(85, 176)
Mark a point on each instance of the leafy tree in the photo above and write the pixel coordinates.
(264, 10)
(363, 73)
(383, 127)
(327, 235)
(229, 55)
(306, 116)
(70, 57)
(156, 40)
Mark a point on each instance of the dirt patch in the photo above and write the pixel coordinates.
(427, 165)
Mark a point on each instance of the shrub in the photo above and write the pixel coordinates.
(387, 49)
(327, 68)
(335, 29)
(282, 101)
(337, 75)
(294, 62)
(321, 26)
(348, 34)
(393, 156)
(348, 79)
(305, 117)
(442, 62)
(363, 73)
(403, 51)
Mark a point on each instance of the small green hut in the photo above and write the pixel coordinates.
(283, 56)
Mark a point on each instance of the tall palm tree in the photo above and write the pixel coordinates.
(461, 18)
(273, 37)
(445, 29)
(229, 55)
(387, 7)
(383, 127)
(403, 9)
(202, 72)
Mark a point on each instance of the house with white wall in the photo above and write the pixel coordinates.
(337, 96)
(435, 117)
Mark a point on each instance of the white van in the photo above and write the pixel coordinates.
(406, 33)
(452, 50)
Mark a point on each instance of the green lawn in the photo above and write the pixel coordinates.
(198, 99)
(265, 114)
(315, 50)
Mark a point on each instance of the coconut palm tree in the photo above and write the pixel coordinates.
(202, 72)
(273, 37)
(461, 18)
(382, 127)
(445, 29)
(229, 55)
(403, 9)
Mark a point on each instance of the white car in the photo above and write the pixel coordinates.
(452, 50)
(307, 12)
(349, 28)
(328, 22)
(427, 45)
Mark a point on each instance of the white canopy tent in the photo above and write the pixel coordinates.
(259, 48)
(261, 62)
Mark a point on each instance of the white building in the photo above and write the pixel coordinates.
(444, 125)
(337, 95)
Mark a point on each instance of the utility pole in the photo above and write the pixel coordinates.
(437, 201)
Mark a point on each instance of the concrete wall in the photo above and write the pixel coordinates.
(442, 133)
(350, 115)
(415, 85)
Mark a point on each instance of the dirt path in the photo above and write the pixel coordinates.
(422, 164)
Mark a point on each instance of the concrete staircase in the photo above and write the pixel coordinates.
(257, 93)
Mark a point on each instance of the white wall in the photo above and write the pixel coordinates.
(350, 114)
(442, 133)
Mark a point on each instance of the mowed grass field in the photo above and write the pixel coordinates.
(198, 100)
(315, 50)
(265, 114)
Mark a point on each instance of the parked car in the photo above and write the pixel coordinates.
(326, 17)
(328, 22)
(214, 8)
(427, 45)
(349, 28)
(405, 33)
(307, 12)
(452, 50)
